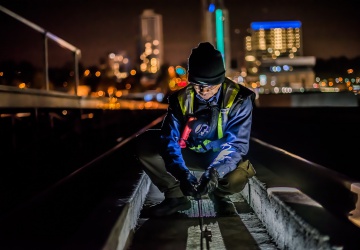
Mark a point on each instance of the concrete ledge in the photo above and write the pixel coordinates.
(127, 221)
(287, 228)
(293, 219)
(280, 195)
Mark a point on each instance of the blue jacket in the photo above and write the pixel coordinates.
(236, 132)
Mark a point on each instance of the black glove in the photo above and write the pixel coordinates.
(208, 181)
(188, 183)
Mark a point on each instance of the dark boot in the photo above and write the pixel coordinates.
(170, 206)
(223, 205)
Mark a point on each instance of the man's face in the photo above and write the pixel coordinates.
(206, 91)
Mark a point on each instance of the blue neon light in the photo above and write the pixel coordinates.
(275, 24)
(211, 8)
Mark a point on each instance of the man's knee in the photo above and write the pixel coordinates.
(236, 180)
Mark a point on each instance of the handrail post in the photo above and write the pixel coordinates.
(76, 60)
(46, 62)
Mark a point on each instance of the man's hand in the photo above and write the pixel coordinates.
(188, 184)
(208, 181)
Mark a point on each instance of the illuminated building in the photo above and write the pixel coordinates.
(119, 65)
(274, 58)
(151, 44)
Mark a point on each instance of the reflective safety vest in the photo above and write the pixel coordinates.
(186, 100)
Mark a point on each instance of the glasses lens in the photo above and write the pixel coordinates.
(201, 86)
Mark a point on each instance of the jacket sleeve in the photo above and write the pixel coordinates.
(170, 133)
(237, 136)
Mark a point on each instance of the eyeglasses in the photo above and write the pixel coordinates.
(204, 87)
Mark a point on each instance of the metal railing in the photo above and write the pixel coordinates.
(47, 35)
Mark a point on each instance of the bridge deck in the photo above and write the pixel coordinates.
(98, 206)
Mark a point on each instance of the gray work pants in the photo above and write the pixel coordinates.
(147, 150)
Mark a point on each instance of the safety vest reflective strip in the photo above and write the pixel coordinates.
(186, 100)
(228, 101)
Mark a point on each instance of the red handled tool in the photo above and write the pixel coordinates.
(185, 134)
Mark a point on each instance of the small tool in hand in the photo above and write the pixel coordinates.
(205, 233)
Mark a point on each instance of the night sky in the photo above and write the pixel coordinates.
(330, 29)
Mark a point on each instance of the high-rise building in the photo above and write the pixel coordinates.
(151, 42)
(274, 58)
(215, 27)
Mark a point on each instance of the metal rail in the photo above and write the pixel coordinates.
(48, 35)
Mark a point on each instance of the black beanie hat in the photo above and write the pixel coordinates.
(206, 65)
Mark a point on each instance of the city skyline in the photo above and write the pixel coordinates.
(96, 28)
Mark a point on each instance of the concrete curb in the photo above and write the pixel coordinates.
(288, 230)
(127, 221)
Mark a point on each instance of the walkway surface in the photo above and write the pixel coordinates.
(182, 230)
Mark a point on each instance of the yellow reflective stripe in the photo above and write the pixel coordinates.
(198, 147)
(232, 97)
(220, 130)
(186, 100)
(230, 101)
(191, 110)
(182, 103)
(219, 123)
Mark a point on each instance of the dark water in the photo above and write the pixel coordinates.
(326, 136)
